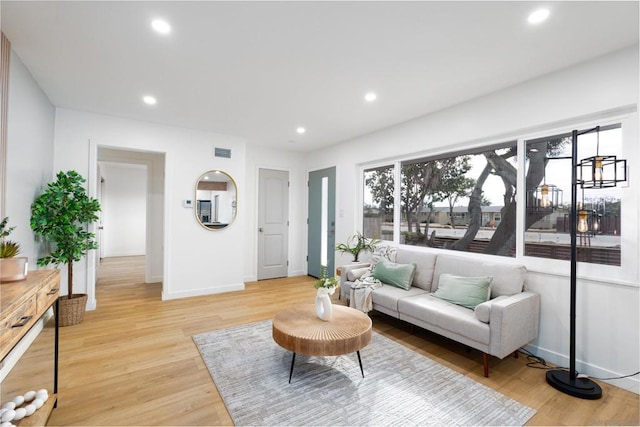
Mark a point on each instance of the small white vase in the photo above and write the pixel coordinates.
(324, 308)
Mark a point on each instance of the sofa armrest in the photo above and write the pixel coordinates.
(344, 269)
(514, 323)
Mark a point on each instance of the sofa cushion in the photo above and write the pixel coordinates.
(388, 296)
(483, 311)
(450, 317)
(398, 275)
(465, 291)
(425, 263)
(508, 279)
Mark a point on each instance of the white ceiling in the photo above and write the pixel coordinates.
(258, 70)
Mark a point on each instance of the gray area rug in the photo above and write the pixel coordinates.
(401, 387)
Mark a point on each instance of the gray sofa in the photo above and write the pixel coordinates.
(498, 327)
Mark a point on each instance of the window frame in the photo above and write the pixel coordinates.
(627, 274)
(627, 271)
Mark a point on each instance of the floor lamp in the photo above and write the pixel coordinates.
(602, 172)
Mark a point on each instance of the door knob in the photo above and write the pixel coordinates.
(261, 230)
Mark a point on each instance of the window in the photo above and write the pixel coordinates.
(464, 202)
(547, 228)
(378, 203)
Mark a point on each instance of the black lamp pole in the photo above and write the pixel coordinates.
(568, 382)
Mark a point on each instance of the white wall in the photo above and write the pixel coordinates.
(608, 297)
(196, 261)
(30, 131)
(124, 209)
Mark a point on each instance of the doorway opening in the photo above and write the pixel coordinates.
(130, 187)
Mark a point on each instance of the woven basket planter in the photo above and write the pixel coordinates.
(72, 309)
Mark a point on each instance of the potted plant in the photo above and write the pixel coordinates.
(12, 268)
(356, 244)
(61, 215)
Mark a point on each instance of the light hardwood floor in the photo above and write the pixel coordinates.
(133, 362)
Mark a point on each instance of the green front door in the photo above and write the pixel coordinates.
(322, 221)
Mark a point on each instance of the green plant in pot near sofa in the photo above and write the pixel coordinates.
(61, 215)
(356, 244)
(12, 268)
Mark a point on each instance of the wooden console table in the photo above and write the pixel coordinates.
(22, 305)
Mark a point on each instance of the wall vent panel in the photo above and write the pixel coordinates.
(222, 152)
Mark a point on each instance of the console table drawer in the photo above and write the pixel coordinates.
(47, 294)
(15, 323)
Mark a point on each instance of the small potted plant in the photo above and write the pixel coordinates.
(12, 268)
(61, 215)
(356, 244)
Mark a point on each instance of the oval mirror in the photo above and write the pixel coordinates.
(216, 197)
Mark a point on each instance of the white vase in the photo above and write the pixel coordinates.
(324, 308)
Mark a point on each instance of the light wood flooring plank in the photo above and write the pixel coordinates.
(133, 362)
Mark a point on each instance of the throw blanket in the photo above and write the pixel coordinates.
(360, 295)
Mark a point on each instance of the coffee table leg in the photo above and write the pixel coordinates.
(359, 360)
(293, 359)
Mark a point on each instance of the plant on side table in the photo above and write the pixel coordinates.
(12, 268)
(356, 244)
(61, 215)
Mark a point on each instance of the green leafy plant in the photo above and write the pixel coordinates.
(325, 281)
(356, 244)
(61, 215)
(8, 248)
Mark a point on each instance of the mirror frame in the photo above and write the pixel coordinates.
(234, 204)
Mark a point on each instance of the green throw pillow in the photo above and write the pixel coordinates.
(465, 291)
(390, 273)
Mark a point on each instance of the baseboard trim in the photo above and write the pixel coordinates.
(203, 291)
(631, 384)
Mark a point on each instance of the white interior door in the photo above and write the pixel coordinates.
(273, 223)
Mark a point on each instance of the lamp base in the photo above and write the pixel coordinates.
(583, 388)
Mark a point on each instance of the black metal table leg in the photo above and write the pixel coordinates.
(293, 359)
(360, 361)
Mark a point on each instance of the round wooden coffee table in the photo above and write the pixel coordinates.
(299, 330)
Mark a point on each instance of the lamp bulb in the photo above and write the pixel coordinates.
(583, 226)
(597, 169)
(544, 196)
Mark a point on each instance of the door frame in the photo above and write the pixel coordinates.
(92, 190)
(254, 276)
(257, 217)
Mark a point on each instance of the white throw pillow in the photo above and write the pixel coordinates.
(385, 252)
(356, 273)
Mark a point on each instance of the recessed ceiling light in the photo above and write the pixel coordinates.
(149, 100)
(301, 130)
(538, 16)
(370, 97)
(161, 26)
